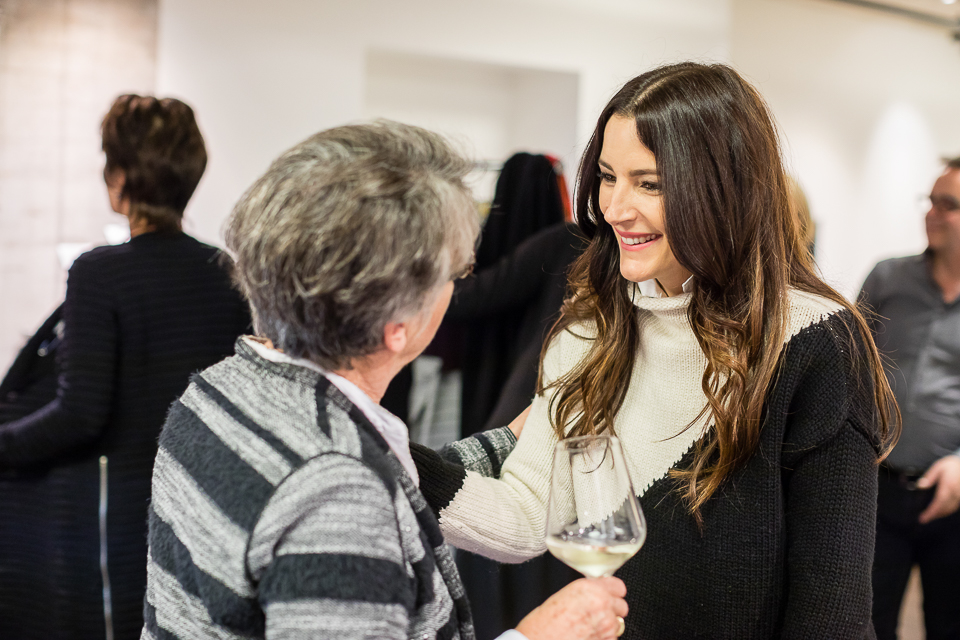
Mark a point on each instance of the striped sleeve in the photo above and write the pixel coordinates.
(443, 472)
(482, 453)
(327, 554)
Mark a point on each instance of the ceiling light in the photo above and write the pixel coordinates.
(948, 1)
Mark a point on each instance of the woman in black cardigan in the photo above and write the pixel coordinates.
(139, 319)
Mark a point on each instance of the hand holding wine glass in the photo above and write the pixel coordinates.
(585, 609)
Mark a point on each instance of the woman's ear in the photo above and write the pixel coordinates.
(395, 337)
(115, 181)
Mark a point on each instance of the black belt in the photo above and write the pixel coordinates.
(906, 478)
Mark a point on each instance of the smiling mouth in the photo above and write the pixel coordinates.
(640, 239)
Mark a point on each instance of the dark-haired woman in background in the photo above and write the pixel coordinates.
(139, 319)
(748, 394)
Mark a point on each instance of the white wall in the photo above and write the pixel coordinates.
(490, 111)
(62, 63)
(867, 103)
(264, 75)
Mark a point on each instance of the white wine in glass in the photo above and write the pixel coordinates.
(594, 522)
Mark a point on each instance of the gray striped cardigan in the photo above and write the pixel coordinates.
(278, 511)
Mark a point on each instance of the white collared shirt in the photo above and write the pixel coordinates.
(392, 428)
(650, 288)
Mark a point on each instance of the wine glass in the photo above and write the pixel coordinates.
(594, 522)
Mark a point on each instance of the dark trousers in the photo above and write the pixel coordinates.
(903, 542)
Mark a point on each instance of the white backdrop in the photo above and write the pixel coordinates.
(866, 102)
(264, 75)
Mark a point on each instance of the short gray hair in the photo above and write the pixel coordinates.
(354, 227)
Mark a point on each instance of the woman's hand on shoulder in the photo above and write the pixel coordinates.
(517, 425)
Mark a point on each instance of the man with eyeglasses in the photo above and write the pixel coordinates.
(915, 305)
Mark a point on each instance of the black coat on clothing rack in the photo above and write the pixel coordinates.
(527, 200)
(483, 342)
(31, 381)
(528, 286)
(38, 503)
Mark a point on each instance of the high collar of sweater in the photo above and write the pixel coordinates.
(669, 315)
(665, 305)
(803, 309)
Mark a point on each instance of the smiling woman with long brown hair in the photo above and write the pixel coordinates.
(748, 394)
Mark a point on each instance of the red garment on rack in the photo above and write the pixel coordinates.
(562, 185)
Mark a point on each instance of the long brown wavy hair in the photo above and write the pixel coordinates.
(728, 216)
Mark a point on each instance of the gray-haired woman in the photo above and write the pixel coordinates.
(285, 500)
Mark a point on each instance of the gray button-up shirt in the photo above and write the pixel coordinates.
(920, 336)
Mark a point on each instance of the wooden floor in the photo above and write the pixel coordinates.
(911, 614)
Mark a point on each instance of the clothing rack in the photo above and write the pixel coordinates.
(488, 165)
(496, 165)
